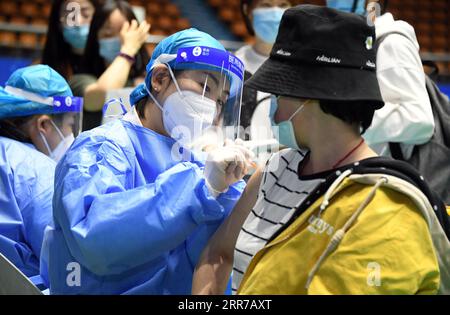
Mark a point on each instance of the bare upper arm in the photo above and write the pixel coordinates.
(224, 240)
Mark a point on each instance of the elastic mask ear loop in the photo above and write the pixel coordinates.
(298, 110)
(46, 144)
(153, 98)
(174, 81)
(58, 131)
(172, 75)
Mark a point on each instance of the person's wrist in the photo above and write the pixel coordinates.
(129, 57)
(213, 192)
(128, 51)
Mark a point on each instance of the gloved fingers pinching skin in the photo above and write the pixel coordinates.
(225, 166)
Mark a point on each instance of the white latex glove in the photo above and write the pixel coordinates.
(226, 165)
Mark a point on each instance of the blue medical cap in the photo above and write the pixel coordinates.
(38, 79)
(170, 45)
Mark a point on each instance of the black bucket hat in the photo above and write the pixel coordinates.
(322, 54)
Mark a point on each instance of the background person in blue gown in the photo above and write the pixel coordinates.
(34, 133)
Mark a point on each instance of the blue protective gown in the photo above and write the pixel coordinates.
(26, 191)
(133, 218)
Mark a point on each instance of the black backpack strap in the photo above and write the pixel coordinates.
(432, 65)
(408, 173)
(396, 151)
(378, 165)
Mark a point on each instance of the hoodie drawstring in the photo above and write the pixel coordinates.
(339, 234)
(329, 192)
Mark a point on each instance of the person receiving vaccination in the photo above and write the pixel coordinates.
(39, 119)
(327, 215)
(133, 206)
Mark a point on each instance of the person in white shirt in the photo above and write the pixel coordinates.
(407, 116)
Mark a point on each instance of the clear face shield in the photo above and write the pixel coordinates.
(68, 123)
(67, 120)
(66, 111)
(66, 117)
(71, 119)
(210, 82)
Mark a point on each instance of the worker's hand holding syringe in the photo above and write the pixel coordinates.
(226, 165)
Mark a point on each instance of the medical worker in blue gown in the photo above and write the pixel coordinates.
(133, 207)
(36, 128)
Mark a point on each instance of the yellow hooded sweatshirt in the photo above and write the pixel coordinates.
(369, 234)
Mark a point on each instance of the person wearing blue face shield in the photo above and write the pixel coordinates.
(262, 18)
(38, 121)
(133, 207)
(67, 35)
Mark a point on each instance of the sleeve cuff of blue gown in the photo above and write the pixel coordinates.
(211, 209)
(211, 190)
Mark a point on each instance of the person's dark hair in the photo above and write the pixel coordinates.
(355, 4)
(140, 107)
(352, 112)
(384, 6)
(57, 52)
(247, 22)
(93, 63)
(11, 128)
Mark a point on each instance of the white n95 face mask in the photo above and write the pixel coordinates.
(186, 114)
(62, 147)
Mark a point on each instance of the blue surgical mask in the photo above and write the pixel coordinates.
(347, 5)
(110, 48)
(284, 131)
(76, 36)
(266, 22)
